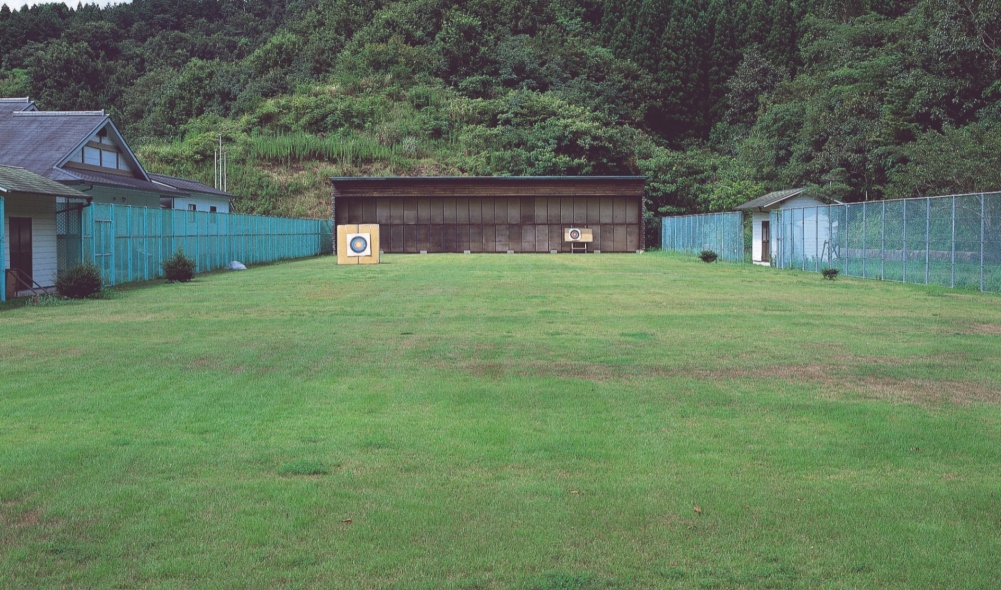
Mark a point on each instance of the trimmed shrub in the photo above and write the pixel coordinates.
(830, 273)
(77, 282)
(178, 268)
(708, 256)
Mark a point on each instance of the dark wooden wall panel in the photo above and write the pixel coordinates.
(542, 238)
(553, 204)
(396, 243)
(396, 211)
(514, 237)
(475, 211)
(541, 210)
(555, 237)
(606, 209)
(381, 212)
(424, 238)
(502, 243)
(579, 210)
(566, 210)
(607, 244)
(618, 210)
(489, 238)
(476, 238)
(410, 239)
(488, 217)
(424, 212)
(496, 224)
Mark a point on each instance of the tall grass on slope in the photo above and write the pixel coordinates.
(350, 151)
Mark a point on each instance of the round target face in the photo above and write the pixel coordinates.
(575, 234)
(358, 244)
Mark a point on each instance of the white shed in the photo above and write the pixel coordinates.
(762, 247)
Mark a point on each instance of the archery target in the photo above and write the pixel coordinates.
(575, 234)
(359, 245)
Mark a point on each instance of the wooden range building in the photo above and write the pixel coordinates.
(494, 214)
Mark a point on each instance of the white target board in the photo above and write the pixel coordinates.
(359, 245)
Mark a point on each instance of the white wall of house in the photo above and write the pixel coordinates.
(42, 211)
(756, 245)
(203, 203)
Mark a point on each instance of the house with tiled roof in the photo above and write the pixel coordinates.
(84, 151)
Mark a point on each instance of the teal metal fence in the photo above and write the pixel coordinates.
(953, 240)
(129, 243)
(3, 250)
(723, 233)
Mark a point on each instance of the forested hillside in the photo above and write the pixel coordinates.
(715, 101)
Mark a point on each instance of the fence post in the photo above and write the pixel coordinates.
(983, 211)
(904, 255)
(952, 279)
(865, 249)
(927, 239)
(882, 244)
(114, 239)
(128, 241)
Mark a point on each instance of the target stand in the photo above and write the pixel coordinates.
(358, 244)
(579, 238)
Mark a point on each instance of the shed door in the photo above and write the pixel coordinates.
(766, 238)
(20, 246)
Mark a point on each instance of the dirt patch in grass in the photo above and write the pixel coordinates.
(834, 380)
(981, 329)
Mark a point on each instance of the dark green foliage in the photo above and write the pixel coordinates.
(77, 282)
(708, 256)
(178, 268)
(830, 273)
(716, 102)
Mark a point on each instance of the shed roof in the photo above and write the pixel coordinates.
(188, 185)
(771, 199)
(19, 180)
(39, 141)
(488, 186)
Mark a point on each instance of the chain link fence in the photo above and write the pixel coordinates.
(954, 240)
(723, 233)
(129, 243)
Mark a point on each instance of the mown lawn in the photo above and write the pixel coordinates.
(496, 421)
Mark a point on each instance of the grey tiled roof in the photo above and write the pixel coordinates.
(771, 199)
(191, 186)
(9, 105)
(19, 180)
(38, 143)
(92, 177)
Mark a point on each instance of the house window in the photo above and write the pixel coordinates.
(109, 159)
(192, 207)
(213, 209)
(91, 156)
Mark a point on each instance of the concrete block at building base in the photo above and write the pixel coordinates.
(424, 251)
(554, 251)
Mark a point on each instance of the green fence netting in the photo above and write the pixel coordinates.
(954, 240)
(129, 243)
(723, 233)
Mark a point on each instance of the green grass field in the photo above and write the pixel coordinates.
(495, 421)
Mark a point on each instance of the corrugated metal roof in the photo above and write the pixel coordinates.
(186, 184)
(19, 180)
(771, 199)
